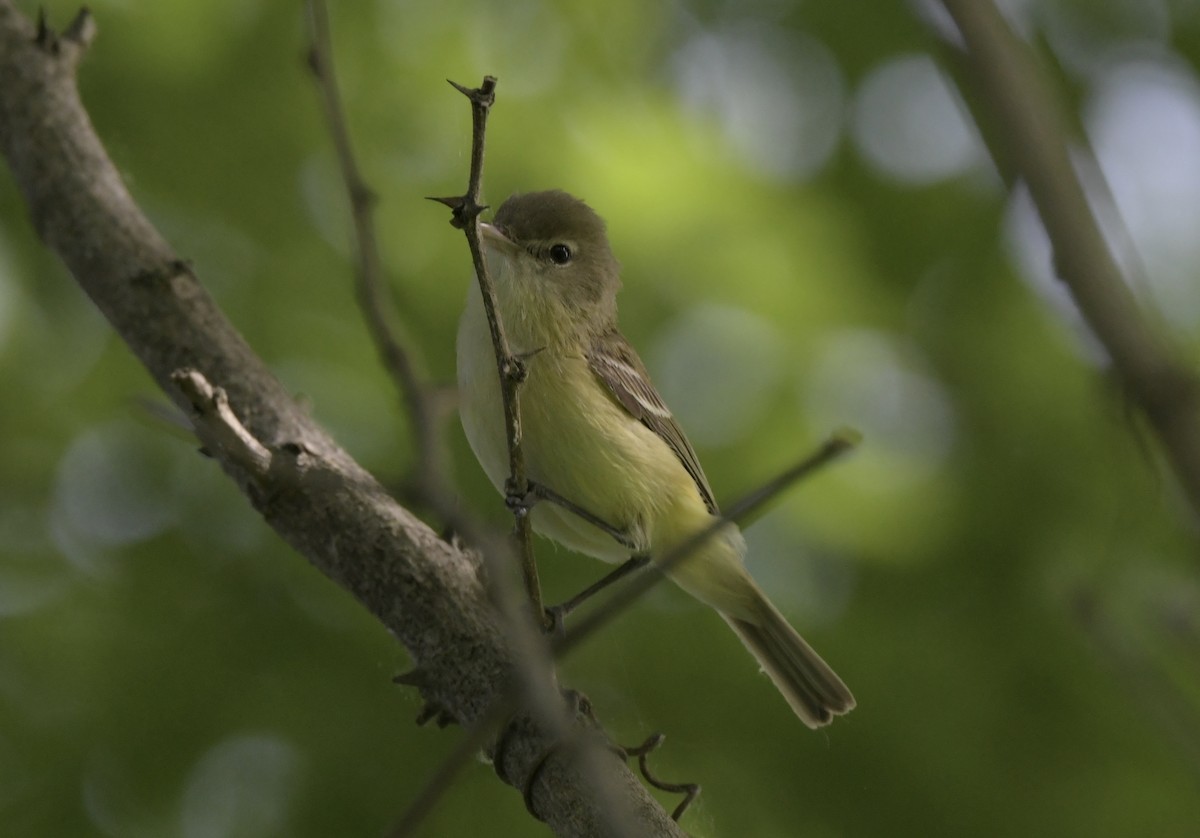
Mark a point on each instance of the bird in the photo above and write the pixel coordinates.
(597, 435)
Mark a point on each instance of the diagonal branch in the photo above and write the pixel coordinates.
(425, 591)
(1030, 129)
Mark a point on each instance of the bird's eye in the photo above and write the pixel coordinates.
(560, 254)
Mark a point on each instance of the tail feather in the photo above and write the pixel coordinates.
(814, 691)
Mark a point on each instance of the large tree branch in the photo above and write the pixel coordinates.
(425, 591)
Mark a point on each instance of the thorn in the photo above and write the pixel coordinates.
(452, 537)
(45, 35)
(483, 96)
(412, 678)
(463, 209)
(433, 712)
(454, 202)
(181, 266)
(82, 29)
(525, 356)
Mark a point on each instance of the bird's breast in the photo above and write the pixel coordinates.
(577, 440)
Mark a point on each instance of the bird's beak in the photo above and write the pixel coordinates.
(495, 238)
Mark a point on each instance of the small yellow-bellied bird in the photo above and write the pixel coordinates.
(597, 433)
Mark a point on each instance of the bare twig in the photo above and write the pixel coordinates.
(690, 791)
(466, 210)
(1031, 131)
(536, 685)
(216, 424)
(371, 288)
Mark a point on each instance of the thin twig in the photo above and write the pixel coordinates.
(840, 443)
(690, 791)
(370, 287)
(511, 369)
(1032, 132)
(214, 421)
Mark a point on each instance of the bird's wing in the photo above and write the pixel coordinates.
(617, 365)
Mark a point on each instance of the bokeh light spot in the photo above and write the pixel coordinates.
(716, 367)
(910, 124)
(778, 97)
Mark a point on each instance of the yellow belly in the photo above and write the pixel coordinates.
(577, 441)
(580, 443)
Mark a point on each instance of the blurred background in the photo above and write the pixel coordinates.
(812, 235)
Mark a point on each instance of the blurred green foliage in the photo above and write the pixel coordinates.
(1002, 574)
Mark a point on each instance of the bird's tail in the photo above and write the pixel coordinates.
(814, 691)
(715, 574)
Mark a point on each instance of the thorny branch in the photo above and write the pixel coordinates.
(1030, 129)
(511, 369)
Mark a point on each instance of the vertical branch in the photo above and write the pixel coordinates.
(370, 286)
(466, 210)
(536, 687)
(1029, 127)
